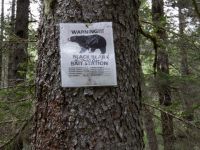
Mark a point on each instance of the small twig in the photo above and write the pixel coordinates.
(177, 127)
(17, 86)
(17, 101)
(11, 121)
(180, 119)
(21, 41)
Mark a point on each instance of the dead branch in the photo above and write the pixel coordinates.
(169, 113)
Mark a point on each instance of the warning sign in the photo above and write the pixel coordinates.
(87, 54)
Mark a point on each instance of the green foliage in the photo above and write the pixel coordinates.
(17, 100)
(185, 89)
(48, 4)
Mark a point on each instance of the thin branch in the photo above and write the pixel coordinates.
(21, 41)
(180, 119)
(17, 86)
(11, 121)
(17, 101)
(177, 127)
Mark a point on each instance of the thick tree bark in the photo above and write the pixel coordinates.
(162, 66)
(89, 118)
(18, 56)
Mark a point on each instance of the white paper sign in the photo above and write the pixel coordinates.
(87, 54)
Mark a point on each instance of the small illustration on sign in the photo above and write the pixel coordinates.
(90, 43)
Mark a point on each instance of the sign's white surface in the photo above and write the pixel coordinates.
(87, 54)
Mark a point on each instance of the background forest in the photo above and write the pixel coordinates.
(170, 60)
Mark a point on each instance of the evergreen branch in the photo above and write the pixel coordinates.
(196, 7)
(17, 133)
(174, 33)
(172, 115)
(17, 101)
(17, 86)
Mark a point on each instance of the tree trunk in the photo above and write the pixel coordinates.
(18, 56)
(7, 47)
(12, 20)
(107, 117)
(186, 93)
(18, 51)
(2, 20)
(150, 129)
(148, 119)
(1, 39)
(162, 67)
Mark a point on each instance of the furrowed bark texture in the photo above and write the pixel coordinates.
(162, 67)
(89, 118)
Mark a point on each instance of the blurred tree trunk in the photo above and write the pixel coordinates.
(184, 58)
(150, 128)
(12, 20)
(185, 72)
(89, 118)
(1, 40)
(7, 47)
(148, 119)
(18, 51)
(18, 54)
(162, 67)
